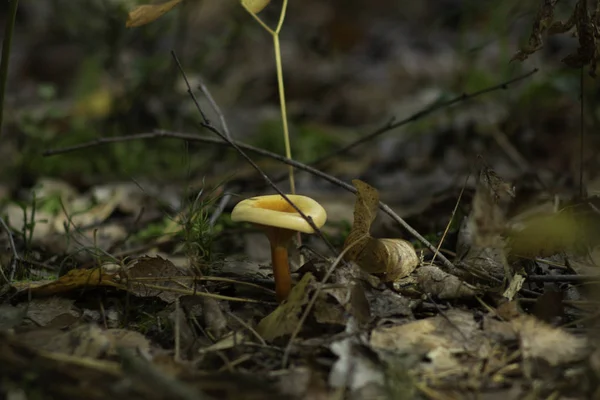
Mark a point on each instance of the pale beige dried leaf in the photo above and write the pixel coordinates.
(144, 14)
(457, 331)
(401, 258)
(555, 345)
(255, 6)
(365, 212)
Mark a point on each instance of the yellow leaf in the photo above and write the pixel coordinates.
(95, 105)
(147, 13)
(549, 233)
(255, 6)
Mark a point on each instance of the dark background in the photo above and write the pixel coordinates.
(78, 73)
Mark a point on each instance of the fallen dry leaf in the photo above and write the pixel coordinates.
(393, 258)
(481, 244)
(74, 279)
(554, 345)
(255, 6)
(144, 14)
(438, 283)
(547, 234)
(120, 338)
(442, 338)
(286, 317)
(83, 341)
(54, 312)
(355, 367)
(154, 276)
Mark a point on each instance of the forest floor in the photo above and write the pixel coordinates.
(460, 254)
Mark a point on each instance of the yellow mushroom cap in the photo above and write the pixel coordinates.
(274, 210)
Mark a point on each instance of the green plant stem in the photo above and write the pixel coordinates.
(280, 85)
(281, 88)
(6, 44)
(286, 134)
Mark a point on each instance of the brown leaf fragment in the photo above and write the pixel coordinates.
(120, 338)
(11, 316)
(359, 304)
(286, 317)
(393, 258)
(549, 306)
(542, 22)
(586, 26)
(154, 276)
(74, 279)
(53, 312)
(144, 14)
(481, 242)
(365, 212)
(445, 340)
(83, 341)
(554, 345)
(444, 286)
(214, 319)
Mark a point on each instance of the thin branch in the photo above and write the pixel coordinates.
(581, 135)
(195, 138)
(393, 124)
(260, 21)
(206, 124)
(204, 89)
(563, 278)
(226, 197)
(281, 17)
(6, 45)
(313, 300)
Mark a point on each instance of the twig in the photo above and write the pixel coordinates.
(227, 196)
(248, 328)
(13, 248)
(206, 124)
(204, 294)
(437, 250)
(581, 134)
(195, 138)
(6, 45)
(177, 333)
(219, 210)
(393, 124)
(563, 278)
(204, 89)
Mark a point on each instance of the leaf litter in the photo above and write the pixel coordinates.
(385, 315)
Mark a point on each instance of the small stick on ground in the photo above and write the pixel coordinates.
(195, 138)
(392, 123)
(207, 125)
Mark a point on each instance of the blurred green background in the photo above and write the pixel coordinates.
(77, 73)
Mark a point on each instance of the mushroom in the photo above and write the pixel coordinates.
(280, 222)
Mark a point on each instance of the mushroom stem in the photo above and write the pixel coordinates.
(280, 239)
(281, 271)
